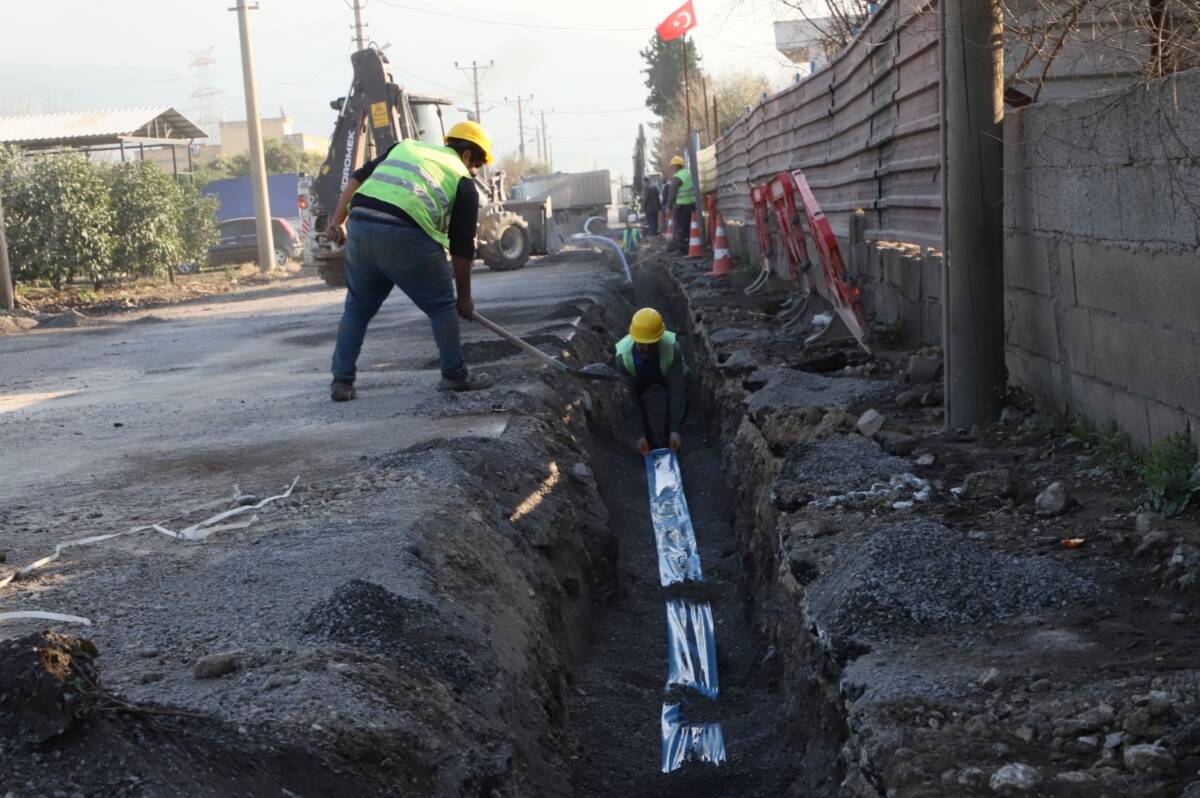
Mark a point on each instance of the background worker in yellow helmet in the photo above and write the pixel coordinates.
(405, 208)
(651, 361)
(682, 202)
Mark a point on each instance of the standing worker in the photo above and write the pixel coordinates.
(683, 203)
(405, 207)
(656, 376)
(651, 205)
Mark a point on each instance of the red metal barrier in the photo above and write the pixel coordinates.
(782, 195)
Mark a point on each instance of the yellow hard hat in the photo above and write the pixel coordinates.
(677, 160)
(647, 326)
(474, 133)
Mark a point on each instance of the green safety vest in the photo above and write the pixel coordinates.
(686, 195)
(421, 180)
(666, 353)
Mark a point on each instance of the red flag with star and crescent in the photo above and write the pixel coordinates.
(682, 20)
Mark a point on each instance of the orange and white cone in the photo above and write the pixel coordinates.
(695, 247)
(722, 260)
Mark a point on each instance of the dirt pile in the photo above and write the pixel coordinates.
(44, 679)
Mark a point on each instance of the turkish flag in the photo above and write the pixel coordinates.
(680, 22)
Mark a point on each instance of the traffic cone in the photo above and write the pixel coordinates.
(695, 247)
(722, 260)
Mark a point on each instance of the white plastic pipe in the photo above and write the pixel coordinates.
(588, 224)
(604, 240)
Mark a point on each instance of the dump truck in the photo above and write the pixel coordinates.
(376, 113)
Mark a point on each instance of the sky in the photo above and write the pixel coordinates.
(67, 55)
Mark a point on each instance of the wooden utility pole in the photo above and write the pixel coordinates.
(972, 210)
(258, 167)
(7, 299)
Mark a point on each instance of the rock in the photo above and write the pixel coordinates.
(213, 666)
(991, 679)
(988, 484)
(1114, 740)
(1154, 540)
(924, 369)
(1053, 500)
(1025, 733)
(1015, 777)
(932, 399)
(972, 777)
(1148, 758)
(1191, 791)
(152, 676)
(870, 423)
(897, 443)
(1145, 523)
(908, 398)
(337, 667)
(1074, 777)
(581, 472)
(1083, 724)
(1158, 702)
(926, 460)
(739, 360)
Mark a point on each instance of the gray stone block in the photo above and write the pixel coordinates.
(1025, 263)
(1079, 343)
(931, 276)
(1161, 287)
(1062, 202)
(1029, 323)
(1154, 209)
(1164, 421)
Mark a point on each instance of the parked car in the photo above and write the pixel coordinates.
(239, 243)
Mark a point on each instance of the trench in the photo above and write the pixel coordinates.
(781, 739)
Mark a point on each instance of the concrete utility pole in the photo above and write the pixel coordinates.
(258, 166)
(521, 123)
(7, 300)
(359, 39)
(972, 210)
(545, 141)
(474, 70)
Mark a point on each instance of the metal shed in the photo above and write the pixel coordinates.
(123, 130)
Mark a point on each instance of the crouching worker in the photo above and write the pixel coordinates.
(655, 371)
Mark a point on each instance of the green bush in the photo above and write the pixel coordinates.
(67, 217)
(197, 223)
(59, 218)
(1170, 474)
(149, 211)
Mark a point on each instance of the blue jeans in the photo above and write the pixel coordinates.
(380, 255)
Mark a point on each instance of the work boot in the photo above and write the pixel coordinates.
(341, 391)
(472, 382)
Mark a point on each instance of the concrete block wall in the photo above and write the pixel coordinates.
(899, 284)
(1102, 256)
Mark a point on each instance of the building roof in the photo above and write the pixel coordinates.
(157, 125)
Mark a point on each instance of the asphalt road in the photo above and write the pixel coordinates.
(126, 420)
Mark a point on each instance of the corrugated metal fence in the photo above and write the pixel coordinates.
(864, 129)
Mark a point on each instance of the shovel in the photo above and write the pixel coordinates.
(594, 371)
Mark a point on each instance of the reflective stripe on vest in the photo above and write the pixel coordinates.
(666, 353)
(686, 195)
(421, 180)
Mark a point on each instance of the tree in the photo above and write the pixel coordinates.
(840, 23)
(735, 92)
(515, 167)
(148, 206)
(59, 216)
(280, 157)
(664, 73)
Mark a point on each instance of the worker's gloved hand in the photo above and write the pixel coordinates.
(676, 442)
(466, 307)
(643, 446)
(337, 233)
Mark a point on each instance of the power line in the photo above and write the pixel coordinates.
(475, 81)
(506, 24)
(521, 123)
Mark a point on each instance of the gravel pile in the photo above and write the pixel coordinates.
(840, 464)
(787, 388)
(364, 615)
(921, 577)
